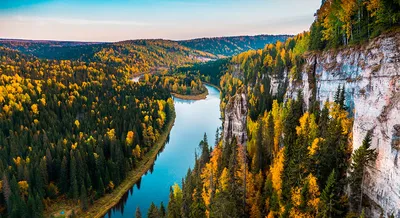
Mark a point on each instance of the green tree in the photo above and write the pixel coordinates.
(361, 158)
(329, 198)
(153, 211)
(138, 214)
(83, 198)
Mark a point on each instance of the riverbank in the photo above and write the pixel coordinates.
(105, 203)
(210, 84)
(192, 97)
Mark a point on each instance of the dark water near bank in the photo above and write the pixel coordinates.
(193, 119)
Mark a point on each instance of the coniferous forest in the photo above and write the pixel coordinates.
(74, 125)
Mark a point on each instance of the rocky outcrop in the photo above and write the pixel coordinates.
(371, 75)
(235, 118)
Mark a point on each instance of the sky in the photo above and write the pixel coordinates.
(116, 20)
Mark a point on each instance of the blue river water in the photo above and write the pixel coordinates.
(193, 119)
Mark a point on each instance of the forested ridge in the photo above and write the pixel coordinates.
(229, 46)
(132, 57)
(71, 129)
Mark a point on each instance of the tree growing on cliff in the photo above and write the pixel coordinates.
(138, 214)
(362, 158)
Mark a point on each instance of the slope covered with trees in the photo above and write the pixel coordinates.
(297, 161)
(341, 23)
(229, 46)
(71, 129)
(133, 57)
(182, 84)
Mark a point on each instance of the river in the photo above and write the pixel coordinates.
(193, 119)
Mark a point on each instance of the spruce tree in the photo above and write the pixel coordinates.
(83, 198)
(138, 214)
(64, 175)
(162, 210)
(329, 198)
(153, 211)
(362, 158)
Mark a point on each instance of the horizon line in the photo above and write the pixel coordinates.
(126, 40)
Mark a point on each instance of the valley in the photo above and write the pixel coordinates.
(303, 125)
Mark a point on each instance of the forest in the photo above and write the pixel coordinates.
(73, 124)
(297, 161)
(133, 57)
(230, 46)
(183, 84)
(340, 23)
(71, 129)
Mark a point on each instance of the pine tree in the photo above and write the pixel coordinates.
(362, 158)
(173, 207)
(162, 210)
(217, 136)
(153, 211)
(64, 175)
(258, 159)
(83, 198)
(138, 214)
(329, 198)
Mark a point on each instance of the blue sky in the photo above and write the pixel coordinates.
(115, 20)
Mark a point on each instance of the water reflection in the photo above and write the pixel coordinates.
(193, 118)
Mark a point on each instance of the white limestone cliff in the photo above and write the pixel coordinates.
(235, 118)
(371, 75)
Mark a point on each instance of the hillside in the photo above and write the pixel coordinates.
(133, 57)
(229, 46)
(71, 129)
(311, 124)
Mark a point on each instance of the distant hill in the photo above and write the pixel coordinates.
(135, 57)
(141, 56)
(59, 50)
(230, 46)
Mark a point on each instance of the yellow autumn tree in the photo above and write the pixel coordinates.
(308, 127)
(129, 138)
(137, 152)
(307, 195)
(77, 123)
(223, 181)
(35, 109)
(209, 178)
(276, 172)
(23, 187)
(278, 124)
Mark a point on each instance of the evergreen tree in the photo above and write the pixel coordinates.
(362, 158)
(153, 211)
(329, 198)
(162, 210)
(83, 198)
(138, 214)
(259, 154)
(216, 136)
(64, 175)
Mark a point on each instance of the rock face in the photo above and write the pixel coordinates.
(235, 118)
(371, 75)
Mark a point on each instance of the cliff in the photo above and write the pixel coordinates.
(235, 118)
(371, 75)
